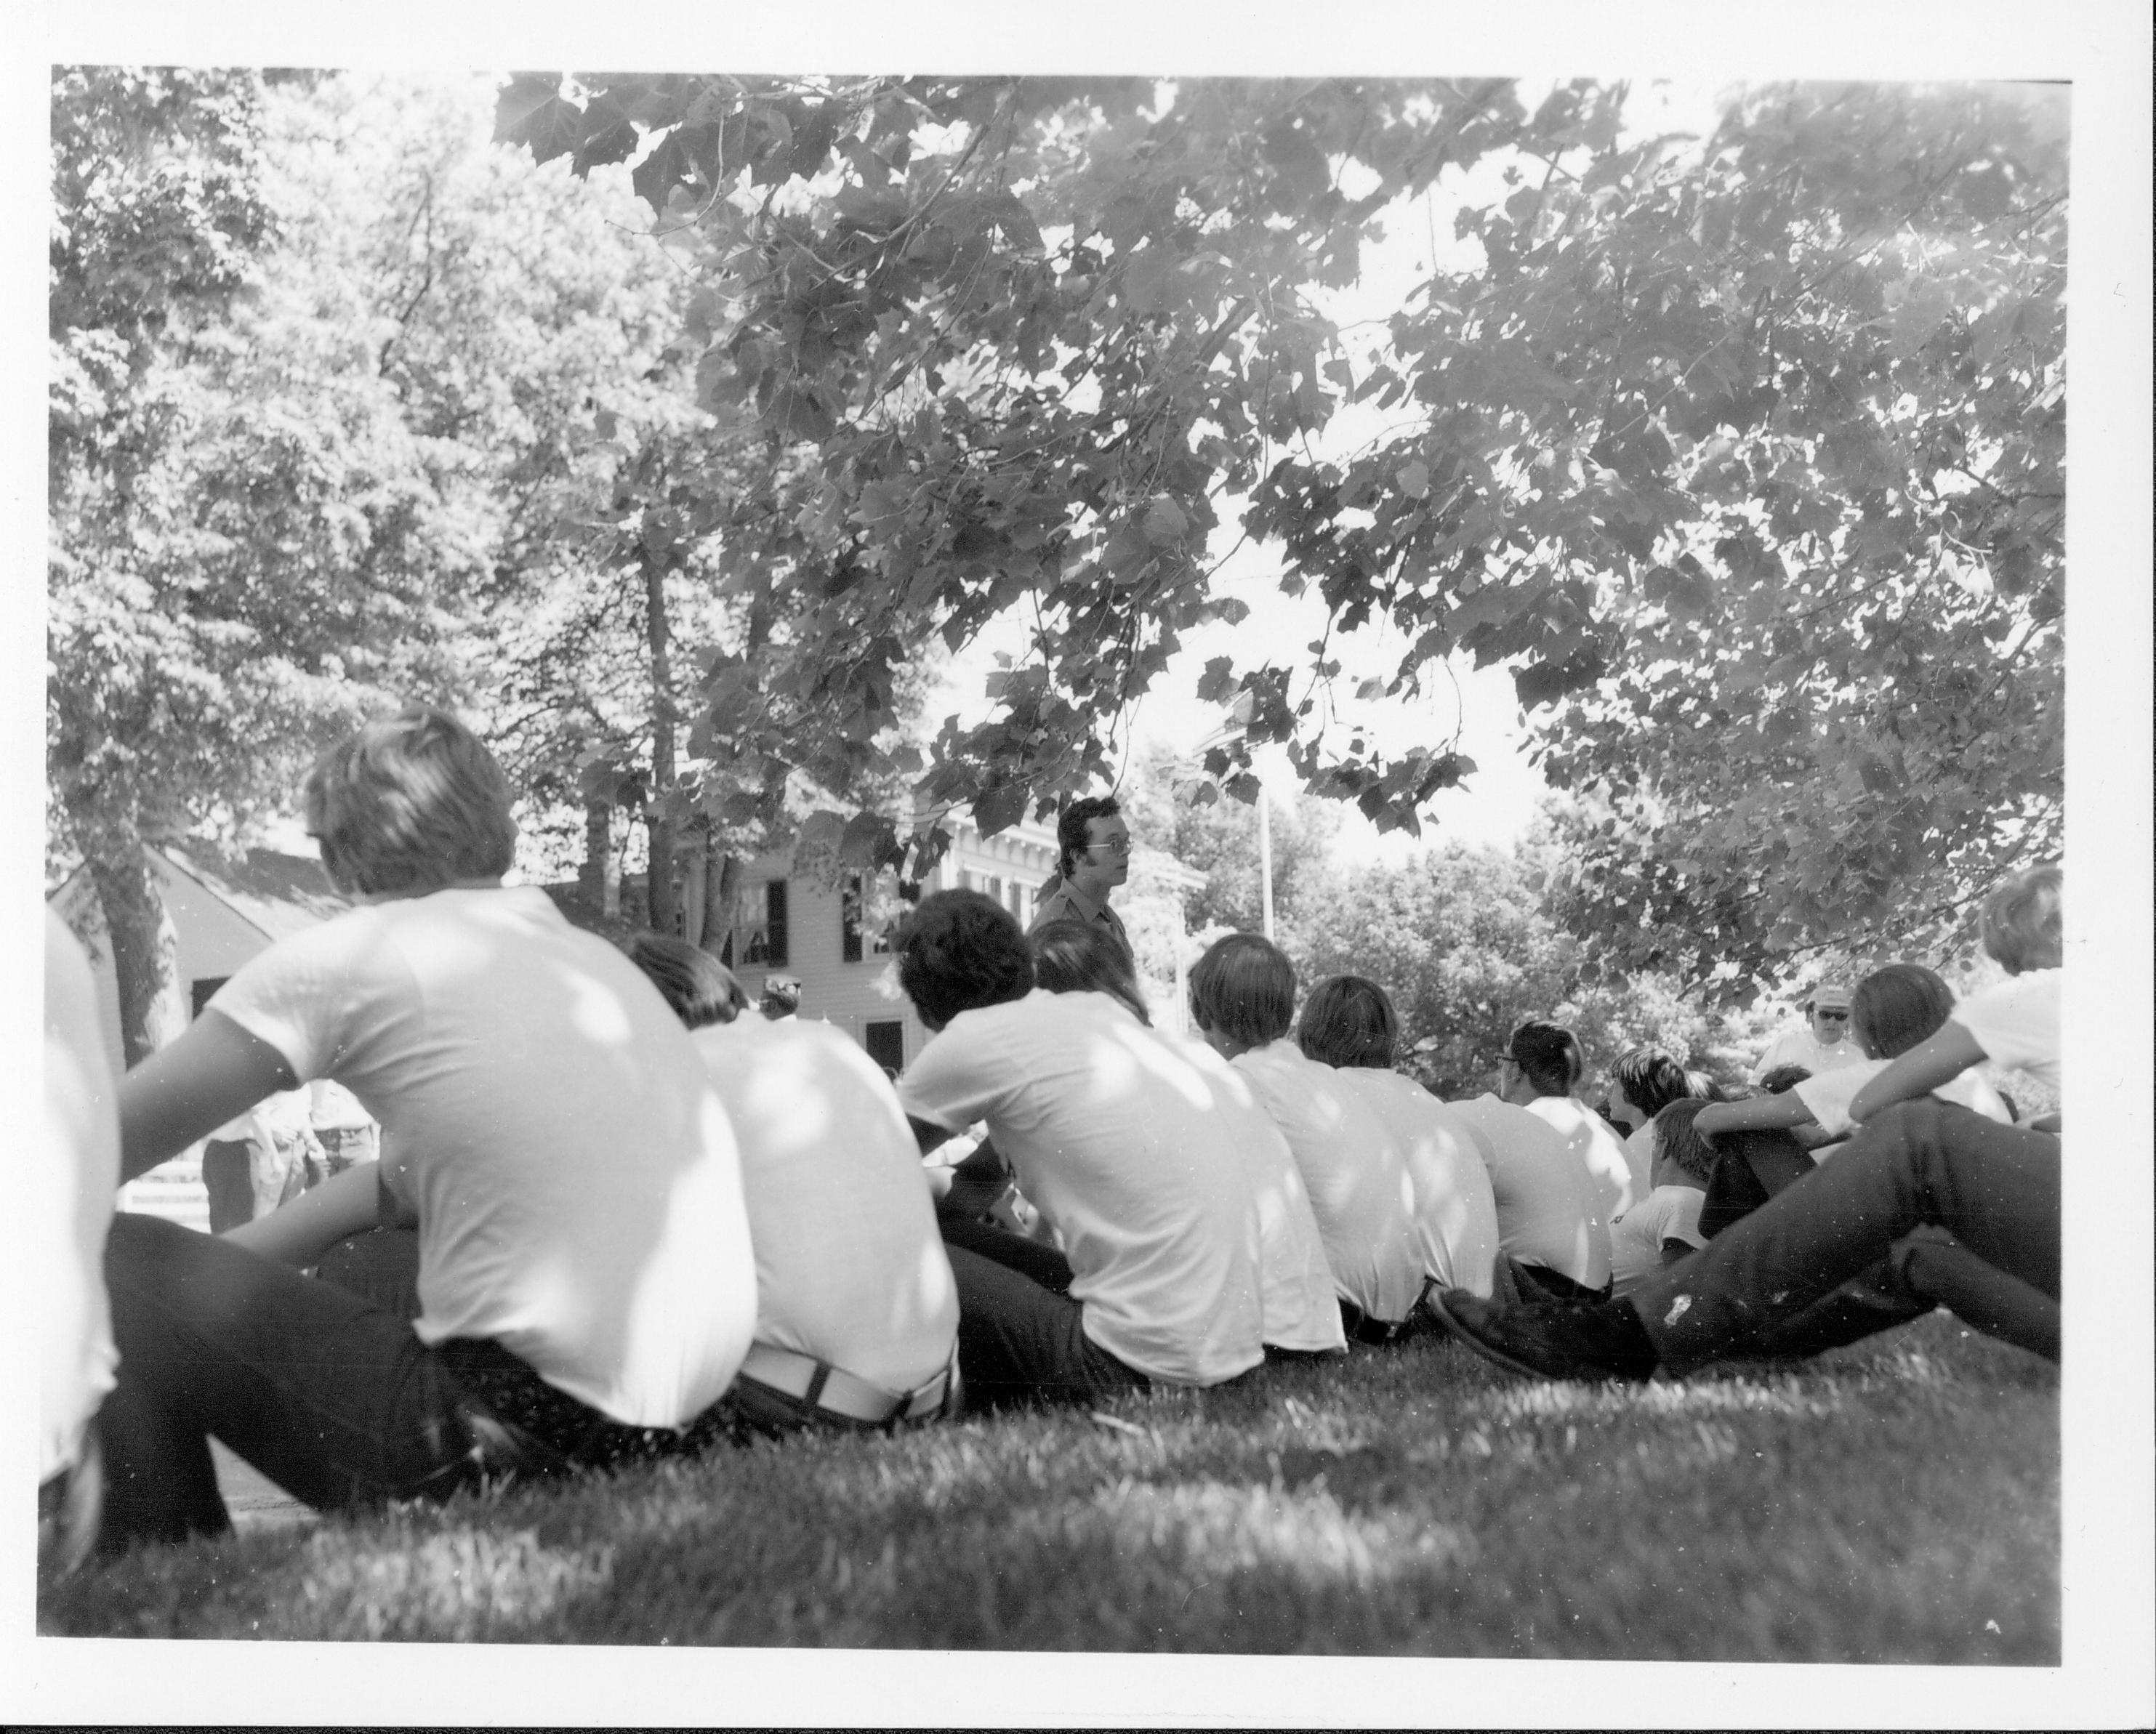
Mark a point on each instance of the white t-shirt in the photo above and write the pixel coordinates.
(849, 1267)
(76, 1172)
(1668, 1212)
(1302, 1308)
(1356, 1172)
(2016, 1023)
(1618, 1180)
(1548, 1214)
(1455, 1209)
(1801, 1047)
(1129, 1150)
(1828, 1097)
(550, 1127)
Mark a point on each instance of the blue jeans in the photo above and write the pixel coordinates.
(1757, 1288)
(1017, 1343)
(332, 1397)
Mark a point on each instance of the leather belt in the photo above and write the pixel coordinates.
(833, 1391)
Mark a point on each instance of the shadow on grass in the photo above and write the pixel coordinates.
(1896, 1502)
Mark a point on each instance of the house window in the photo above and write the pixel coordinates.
(886, 1043)
(761, 924)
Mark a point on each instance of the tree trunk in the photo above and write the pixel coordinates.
(721, 881)
(593, 873)
(145, 948)
(695, 904)
(663, 906)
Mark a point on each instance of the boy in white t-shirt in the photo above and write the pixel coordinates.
(1918, 1163)
(585, 1283)
(1126, 1147)
(1348, 1022)
(1242, 1000)
(1664, 1226)
(857, 1319)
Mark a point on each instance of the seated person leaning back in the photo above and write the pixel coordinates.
(1242, 1000)
(1348, 1022)
(1301, 1316)
(1542, 1065)
(1550, 1223)
(585, 1285)
(856, 1318)
(1117, 1139)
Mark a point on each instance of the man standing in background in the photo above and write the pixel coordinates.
(1095, 846)
(1822, 1045)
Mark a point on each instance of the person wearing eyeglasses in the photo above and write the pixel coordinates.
(1096, 857)
(1822, 1045)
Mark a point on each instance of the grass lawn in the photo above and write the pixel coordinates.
(1894, 1502)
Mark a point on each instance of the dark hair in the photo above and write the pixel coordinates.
(1550, 1054)
(1783, 1077)
(1073, 957)
(410, 803)
(2022, 918)
(701, 989)
(1651, 1080)
(1677, 1138)
(781, 994)
(1244, 987)
(1895, 1008)
(1349, 1021)
(960, 951)
(1071, 827)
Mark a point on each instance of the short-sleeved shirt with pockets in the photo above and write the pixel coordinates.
(1547, 1211)
(550, 1127)
(2016, 1023)
(1128, 1150)
(850, 1268)
(1456, 1209)
(1356, 1174)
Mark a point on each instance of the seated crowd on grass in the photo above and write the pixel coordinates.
(613, 1218)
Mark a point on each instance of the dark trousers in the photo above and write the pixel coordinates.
(334, 1399)
(1020, 1344)
(1031, 1259)
(1994, 1189)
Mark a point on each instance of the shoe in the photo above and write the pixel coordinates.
(1574, 1342)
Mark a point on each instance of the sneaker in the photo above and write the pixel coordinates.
(1574, 1342)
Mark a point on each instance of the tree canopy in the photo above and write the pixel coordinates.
(1743, 451)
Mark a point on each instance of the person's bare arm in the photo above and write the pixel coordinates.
(1939, 1060)
(212, 1071)
(301, 1231)
(1756, 1113)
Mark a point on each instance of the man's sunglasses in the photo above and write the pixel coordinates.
(1831, 1014)
(1114, 845)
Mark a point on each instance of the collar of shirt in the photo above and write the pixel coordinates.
(1087, 908)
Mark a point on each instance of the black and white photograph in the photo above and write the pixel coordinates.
(1190, 866)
